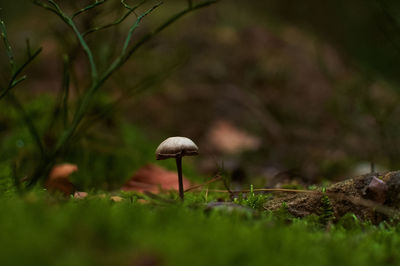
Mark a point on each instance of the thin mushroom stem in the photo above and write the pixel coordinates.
(179, 167)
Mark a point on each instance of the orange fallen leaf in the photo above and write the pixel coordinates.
(154, 179)
(58, 180)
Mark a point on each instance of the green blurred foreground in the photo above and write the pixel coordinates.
(41, 230)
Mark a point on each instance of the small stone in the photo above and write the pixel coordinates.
(228, 207)
(377, 190)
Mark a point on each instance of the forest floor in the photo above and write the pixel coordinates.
(38, 228)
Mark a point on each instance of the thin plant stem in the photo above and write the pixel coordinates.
(28, 121)
(65, 87)
(171, 20)
(58, 11)
(217, 178)
(88, 96)
(264, 190)
(125, 57)
(61, 106)
(14, 81)
(132, 29)
(16, 180)
(118, 21)
(7, 45)
(97, 81)
(97, 3)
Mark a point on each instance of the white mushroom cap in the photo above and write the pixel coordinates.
(176, 147)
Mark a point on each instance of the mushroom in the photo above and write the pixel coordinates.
(177, 147)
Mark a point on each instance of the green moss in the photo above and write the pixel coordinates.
(6, 184)
(252, 200)
(282, 215)
(349, 222)
(41, 230)
(326, 213)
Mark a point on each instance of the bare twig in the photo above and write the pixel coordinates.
(28, 48)
(204, 184)
(65, 88)
(87, 97)
(385, 9)
(97, 81)
(134, 26)
(117, 103)
(393, 21)
(15, 178)
(118, 21)
(7, 45)
(14, 79)
(132, 8)
(157, 197)
(123, 58)
(366, 203)
(15, 70)
(95, 4)
(57, 10)
(28, 121)
(264, 190)
(61, 105)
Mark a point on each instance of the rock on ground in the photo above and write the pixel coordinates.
(372, 197)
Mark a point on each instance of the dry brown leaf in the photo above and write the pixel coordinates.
(116, 199)
(80, 195)
(62, 171)
(58, 180)
(143, 201)
(227, 138)
(154, 179)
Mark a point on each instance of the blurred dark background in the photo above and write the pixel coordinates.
(274, 91)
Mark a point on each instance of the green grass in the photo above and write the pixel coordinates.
(41, 230)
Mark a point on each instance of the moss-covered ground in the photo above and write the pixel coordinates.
(38, 229)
